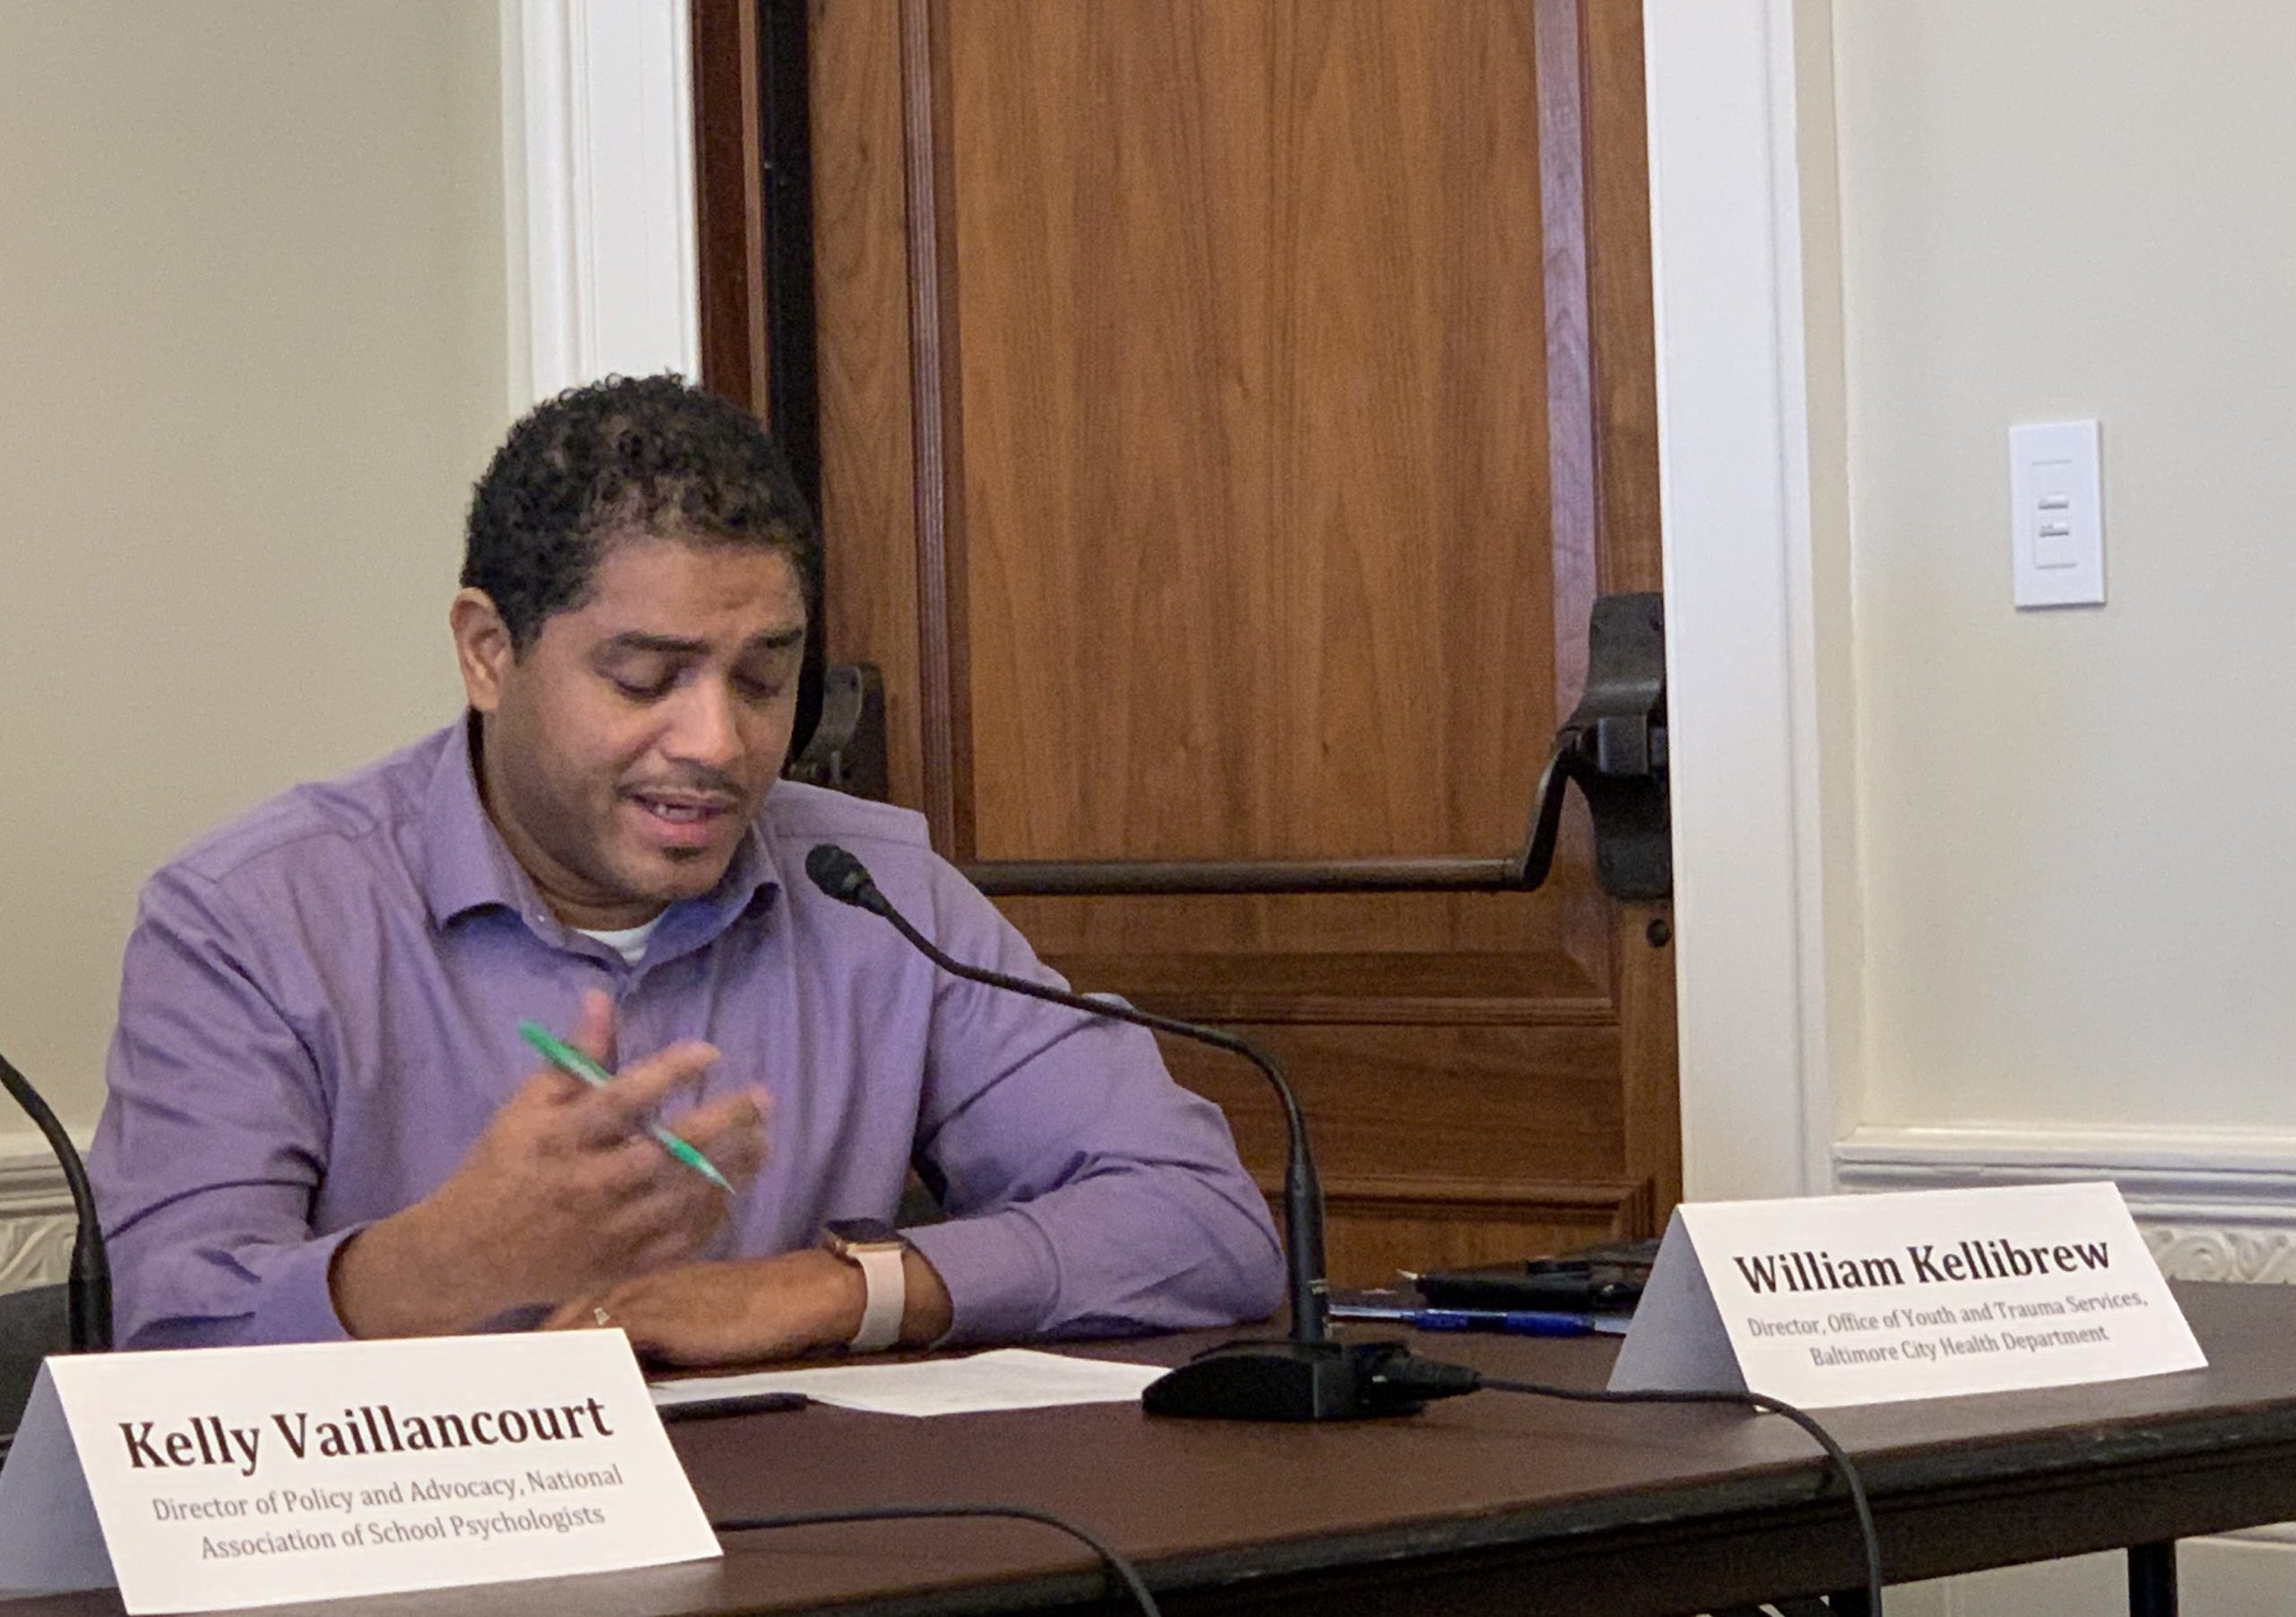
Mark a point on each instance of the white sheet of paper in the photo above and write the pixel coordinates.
(1003, 1379)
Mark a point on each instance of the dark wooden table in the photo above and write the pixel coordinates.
(1487, 1503)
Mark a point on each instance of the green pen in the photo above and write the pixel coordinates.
(566, 1059)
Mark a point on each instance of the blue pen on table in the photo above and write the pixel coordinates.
(1508, 1322)
(566, 1059)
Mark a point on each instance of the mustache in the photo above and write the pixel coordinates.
(696, 783)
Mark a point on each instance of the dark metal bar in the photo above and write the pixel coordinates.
(1161, 877)
(2152, 1579)
(792, 405)
(1614, 745)
(785, 145)
(1137, 878)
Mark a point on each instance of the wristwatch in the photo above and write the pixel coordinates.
(876, 1247)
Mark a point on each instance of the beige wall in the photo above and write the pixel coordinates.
(2074, 830)
(252, 332)
(2059, 919)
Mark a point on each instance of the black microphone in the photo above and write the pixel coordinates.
(1307, 1377)
(88, 1287)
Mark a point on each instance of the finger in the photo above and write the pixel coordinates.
(622, 1109)
(674, 1212)
(576, 1313)
(546, 1087)
(593, 1036)
(741, 1114)
(635, 1167)
(593, 1033)
(640, 1088)
(665, 1251)
(702, 1212)
(735, 1124)
(735, 1155)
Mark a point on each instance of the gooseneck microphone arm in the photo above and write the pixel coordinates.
(1307, 1377)
(88, 1287)
(843, 877)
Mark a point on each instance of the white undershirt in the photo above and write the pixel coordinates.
(630, 943)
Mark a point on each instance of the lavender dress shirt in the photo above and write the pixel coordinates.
(319, 1009)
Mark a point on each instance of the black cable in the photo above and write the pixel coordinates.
(1121, 1567)
(1762, 1402)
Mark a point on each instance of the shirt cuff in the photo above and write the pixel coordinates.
(295, 1303)
(1003, 1283)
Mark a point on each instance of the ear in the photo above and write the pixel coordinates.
(483, 649)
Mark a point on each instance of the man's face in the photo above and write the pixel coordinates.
(626, 751)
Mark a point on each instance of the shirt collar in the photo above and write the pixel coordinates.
(466, 865)
(464, 862)
(752, 871)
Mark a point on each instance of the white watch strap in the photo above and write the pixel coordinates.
(887, 1286)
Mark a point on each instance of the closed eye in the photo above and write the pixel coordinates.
(649, 690)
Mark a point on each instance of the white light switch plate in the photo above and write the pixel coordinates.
(2057, 520)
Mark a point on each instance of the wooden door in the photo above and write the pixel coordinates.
(1228, 413)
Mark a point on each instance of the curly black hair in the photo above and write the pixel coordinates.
(647, 454)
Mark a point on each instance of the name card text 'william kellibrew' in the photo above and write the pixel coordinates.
(1924, 1265)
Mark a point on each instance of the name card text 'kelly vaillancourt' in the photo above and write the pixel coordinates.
(370, 1428)
(1917, 1294)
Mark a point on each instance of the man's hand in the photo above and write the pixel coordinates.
(756, 1309)
(562, 1195)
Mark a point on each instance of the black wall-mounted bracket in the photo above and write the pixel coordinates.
(1614, 746)
(846, 750)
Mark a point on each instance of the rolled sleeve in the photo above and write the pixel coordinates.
(1000, 1270)
(294, 1301)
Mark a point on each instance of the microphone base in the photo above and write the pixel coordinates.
(1285, 1380)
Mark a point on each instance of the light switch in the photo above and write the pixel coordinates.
(2056, 527)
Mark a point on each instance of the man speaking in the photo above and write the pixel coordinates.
(323, 1119)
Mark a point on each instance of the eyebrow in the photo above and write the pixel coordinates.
(669, 645)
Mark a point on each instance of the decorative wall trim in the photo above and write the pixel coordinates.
(36, 1220)
(598, 172)
(2212, 1203)
(34, 1251)
(2191, 1181)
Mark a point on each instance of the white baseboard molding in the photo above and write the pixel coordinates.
(2212, 1203)
(2157, 1160)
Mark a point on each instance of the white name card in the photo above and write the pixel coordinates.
(227, 1477)
(1839, 1299)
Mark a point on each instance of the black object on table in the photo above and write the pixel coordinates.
(1594, 1279)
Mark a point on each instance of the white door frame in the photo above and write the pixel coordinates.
(597, 173)
(598, 160)
(1751, 960)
